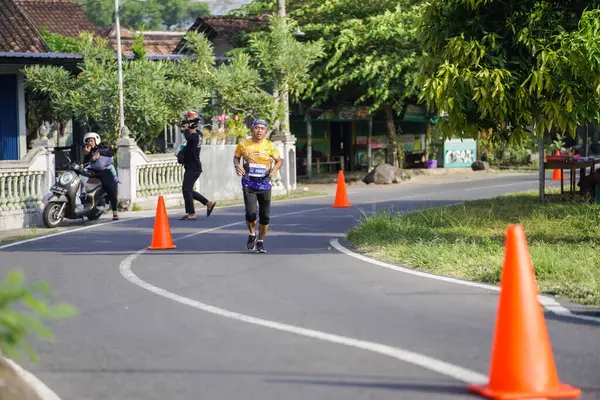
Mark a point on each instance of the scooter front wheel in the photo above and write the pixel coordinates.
(53, 215)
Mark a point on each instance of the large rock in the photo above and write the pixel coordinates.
(382, 174)
(480, 166)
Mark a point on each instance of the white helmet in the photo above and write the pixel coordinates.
(92, 135)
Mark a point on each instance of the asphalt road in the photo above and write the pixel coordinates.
(304, 321)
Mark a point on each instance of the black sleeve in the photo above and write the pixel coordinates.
(191, 146)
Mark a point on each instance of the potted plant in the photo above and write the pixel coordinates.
(208, 136)
(220, 138)
(431, 163)
(236, 130)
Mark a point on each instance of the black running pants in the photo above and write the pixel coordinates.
(253, 197)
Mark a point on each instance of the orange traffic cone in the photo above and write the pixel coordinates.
(522, 365)
(161, 238)
(341, 197)
(556, 175)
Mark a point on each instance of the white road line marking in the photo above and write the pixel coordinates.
(83, 228)
(336, 245)
(151, 214)
(547, 302)
(432, 364)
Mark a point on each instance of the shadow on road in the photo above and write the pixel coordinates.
(554, 317)
(299, 233)
(303, 378)
(415, 387)
(292, 375)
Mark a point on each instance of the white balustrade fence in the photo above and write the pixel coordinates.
(159, 177)
(23, 185)
(21, 190)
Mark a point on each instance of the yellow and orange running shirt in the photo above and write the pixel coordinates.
(257, 159)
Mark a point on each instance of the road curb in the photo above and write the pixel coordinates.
(549, 303)
(30, 381)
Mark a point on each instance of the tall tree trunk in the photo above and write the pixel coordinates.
(391, 129)
(541, 170)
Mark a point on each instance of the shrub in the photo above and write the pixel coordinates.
(16, 325)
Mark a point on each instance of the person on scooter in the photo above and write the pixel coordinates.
(106, 177)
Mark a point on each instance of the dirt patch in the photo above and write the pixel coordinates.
(13, 386)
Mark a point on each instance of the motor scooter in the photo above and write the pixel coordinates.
(62, 202)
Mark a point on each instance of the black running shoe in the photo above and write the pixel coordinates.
(251, 244)
(260, 247)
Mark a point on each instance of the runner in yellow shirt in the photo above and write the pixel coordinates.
(253, 162)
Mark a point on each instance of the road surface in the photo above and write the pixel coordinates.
(304, 321)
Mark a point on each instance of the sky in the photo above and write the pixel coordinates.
(221, 7)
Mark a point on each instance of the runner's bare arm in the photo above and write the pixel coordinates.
(239, 169)
(277, 165)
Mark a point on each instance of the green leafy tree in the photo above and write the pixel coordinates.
(138, 49)
(17, 323)
(142, 14)
(154, 92)
(254, 8)
(152, 14)
(237, 88)
(374, 49)
(512, 67)
(182, 13)
(58, 43)
(283, 60)
(269, 7)
(194, 10)
(197, 69)
(101, 12)
(371, 55)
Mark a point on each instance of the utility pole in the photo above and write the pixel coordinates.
(122, 132)
(284, 96)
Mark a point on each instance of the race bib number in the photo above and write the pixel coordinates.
(257, 170)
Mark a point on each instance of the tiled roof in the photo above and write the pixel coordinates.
(155, 42)
(223, 26)
(64, 17)
(17, 32)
